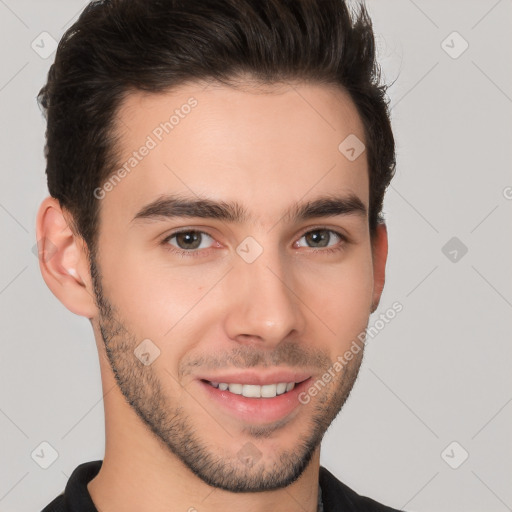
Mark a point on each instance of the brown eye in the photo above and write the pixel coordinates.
(190, 240)
(321, 238)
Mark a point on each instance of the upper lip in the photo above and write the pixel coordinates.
(258, 377)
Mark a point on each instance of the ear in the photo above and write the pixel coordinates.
(380, 256)
(63, 259)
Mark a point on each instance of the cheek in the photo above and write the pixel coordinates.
(165, 302)
(341, 298)
(155, 300)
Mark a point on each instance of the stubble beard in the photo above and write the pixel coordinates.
(178, 433)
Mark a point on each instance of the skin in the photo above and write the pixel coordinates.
(297, 306)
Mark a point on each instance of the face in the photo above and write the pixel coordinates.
(234, 269)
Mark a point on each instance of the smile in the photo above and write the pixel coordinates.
(253, 390)
(263, 403)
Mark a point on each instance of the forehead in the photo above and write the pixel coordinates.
(266, 147)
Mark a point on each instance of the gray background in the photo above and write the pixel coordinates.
(437, 373)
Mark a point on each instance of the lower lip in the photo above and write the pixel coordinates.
(257, 410)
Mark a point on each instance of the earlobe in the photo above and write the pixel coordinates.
(63, 259)
(380, 254)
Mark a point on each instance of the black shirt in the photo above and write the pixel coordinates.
(336, 496)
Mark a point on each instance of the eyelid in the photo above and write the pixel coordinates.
(172, 235)
(197, 252)
(334, 229)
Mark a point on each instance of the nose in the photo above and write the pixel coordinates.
(264, 308)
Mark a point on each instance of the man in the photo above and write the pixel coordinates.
(217, 171)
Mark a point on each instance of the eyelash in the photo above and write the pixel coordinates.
(194, 253)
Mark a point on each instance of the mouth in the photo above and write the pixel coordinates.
(258, 403)
(254, 390)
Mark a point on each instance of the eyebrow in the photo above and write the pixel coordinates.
(174, 206)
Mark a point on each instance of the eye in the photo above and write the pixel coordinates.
(189, 240)
(320, 238)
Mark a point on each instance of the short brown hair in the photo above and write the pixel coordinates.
(119, 46)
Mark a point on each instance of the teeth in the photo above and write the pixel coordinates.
(281, 388)
(269, 390)
(236, 388)
(255, 391)
(251, 391)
